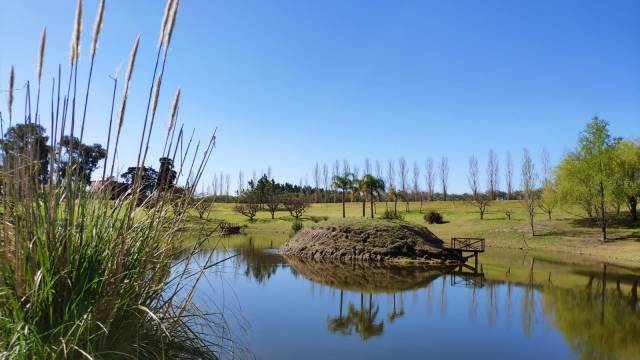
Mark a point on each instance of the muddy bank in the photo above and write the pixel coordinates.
(372, 241)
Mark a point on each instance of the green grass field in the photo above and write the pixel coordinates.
(566, 235)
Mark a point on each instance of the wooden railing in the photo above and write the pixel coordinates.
(468, 244)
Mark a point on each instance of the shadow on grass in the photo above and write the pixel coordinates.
(617, 222)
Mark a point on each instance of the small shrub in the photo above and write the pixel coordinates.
(317, 219)
(297, 226)
(433, 217)
(508, 214)
(390, 215)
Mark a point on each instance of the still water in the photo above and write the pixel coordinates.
(514, 308)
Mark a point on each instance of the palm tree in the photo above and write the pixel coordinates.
(370, 186)
(344, 184)
(394, 194)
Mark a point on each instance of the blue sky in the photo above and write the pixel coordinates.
(290, 82)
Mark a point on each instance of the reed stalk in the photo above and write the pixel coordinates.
(95, 274)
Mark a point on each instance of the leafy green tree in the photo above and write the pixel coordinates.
(80, 159)
(166, 175)
(344, 184)
(147, 182)
(587, 176)
(627, 154)
(27, 142)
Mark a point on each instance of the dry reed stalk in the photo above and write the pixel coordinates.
(165, 17)
(94, 45)
(12, 80)
(97, 26)
(43, 41)
(74, 51)
(113, 101)
(125, 95)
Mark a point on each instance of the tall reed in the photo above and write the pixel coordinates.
(94, 274)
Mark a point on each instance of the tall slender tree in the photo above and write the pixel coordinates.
(443, 169)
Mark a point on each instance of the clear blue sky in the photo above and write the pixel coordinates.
(293, 82)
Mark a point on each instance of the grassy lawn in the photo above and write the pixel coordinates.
(563, 236)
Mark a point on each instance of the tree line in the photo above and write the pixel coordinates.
(78, 161)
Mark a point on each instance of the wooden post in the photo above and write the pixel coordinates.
(476, 261)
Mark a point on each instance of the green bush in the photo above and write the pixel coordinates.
(390, 215)
(297, 226)
(433, 217)
(317, 219)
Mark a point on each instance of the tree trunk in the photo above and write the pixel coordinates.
(633, 208)
(364, 205)
(603, 215)
(395, 207)
(371, 206)
(344, 213)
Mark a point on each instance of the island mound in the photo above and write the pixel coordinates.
(370, 240)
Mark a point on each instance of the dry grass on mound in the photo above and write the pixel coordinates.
(365, 240)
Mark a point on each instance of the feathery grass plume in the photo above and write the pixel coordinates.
(97, 26)
(174, 111)
(165, 17)
(43, 42)
(75, 35)
(12, 80)
(156, 95)
(170, 26)
(127, 79)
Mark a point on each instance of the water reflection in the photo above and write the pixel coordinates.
(587, 313)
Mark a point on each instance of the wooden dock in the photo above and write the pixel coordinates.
(467, 248)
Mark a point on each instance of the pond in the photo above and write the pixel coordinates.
(516, 305)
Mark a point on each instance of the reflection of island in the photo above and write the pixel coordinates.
(365, 279)
(363, 321)
(361, 277)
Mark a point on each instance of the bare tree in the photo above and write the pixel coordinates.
(335, 172)
(378, 169)
(367, 167)
(254, 177)
(240, 182)
(228, 185)
(443, 170)
(269, 172)
(391, 179)
(548, 199)
(480, 200)
(346, 168)
(508, 174)
(403, 173)
(492, 174)
(325, 179)
(430, 178)
(316, 181)
(528, 183)
(296, 205)
(416, 183)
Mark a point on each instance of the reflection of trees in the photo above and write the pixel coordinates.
(259, 264)
(364, 320)
(528, 311)
(395, 313)
(596, 323)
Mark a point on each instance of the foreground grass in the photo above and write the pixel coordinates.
(565, 233)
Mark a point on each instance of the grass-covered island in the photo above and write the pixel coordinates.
(368, 240)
